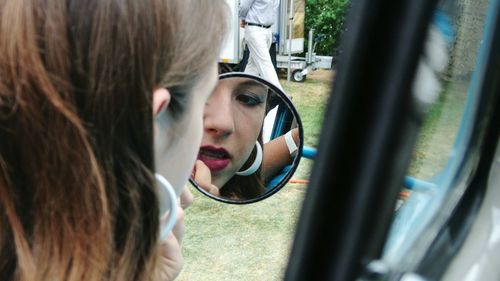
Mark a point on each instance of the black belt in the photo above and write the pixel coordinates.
(259, 25)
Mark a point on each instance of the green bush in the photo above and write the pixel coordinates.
(326, 17)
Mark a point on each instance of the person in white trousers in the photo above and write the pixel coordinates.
(257, 17)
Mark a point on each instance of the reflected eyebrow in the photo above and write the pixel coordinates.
(252, 84)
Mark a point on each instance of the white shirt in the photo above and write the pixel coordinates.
(262, 12)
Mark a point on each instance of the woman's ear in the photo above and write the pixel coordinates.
(161, 99)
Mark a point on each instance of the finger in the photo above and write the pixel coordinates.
(171, 260)
(214, 190)
(179, 228)
(186, 198)
(193, 172)
(203, 176)
(170, 247)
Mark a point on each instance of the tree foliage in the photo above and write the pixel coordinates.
(326, 17)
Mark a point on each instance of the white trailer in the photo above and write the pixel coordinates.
(289, 28)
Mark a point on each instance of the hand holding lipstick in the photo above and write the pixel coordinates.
(203, 177)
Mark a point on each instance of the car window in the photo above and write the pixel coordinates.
(457, 29)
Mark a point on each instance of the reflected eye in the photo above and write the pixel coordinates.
(250, 100)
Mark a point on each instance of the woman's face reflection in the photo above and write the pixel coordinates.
(233, 118)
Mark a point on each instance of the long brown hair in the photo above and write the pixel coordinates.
(77, 199)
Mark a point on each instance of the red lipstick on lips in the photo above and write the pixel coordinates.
(216, 158)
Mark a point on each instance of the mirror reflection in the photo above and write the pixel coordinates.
(251, 141)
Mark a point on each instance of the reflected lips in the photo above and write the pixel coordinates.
(215, 158)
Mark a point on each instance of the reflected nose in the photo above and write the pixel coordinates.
(218, 120)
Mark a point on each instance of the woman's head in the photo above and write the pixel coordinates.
(233, 119)
(77, 199)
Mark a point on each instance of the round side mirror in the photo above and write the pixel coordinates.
(252, 141)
